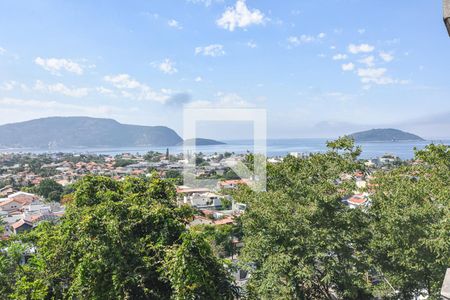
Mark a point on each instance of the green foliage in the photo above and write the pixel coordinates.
(195, 273)
(219, 237)
(175, 175)
(411, 224)
(229, 174)
(153, 156)
(49, 189)
(435, 154)
(129, 240)
(300, 241)
(123, 162)
(116, 241)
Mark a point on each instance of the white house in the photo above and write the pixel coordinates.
(206, 200)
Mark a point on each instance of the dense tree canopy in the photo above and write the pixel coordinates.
(119, 240)
(301, 242)
(411, 224)
(49, 189)
(129, 240)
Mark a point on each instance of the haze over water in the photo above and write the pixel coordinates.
(275, 147)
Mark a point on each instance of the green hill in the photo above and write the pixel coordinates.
(72, 132)
(200, 142)
(384, 135)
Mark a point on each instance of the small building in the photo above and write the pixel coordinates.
(358, 200)
(232, 184)
(11, 205)
(21, 226)
(205, 200)
(6, 191)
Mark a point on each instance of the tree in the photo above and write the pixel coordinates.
(411, 224)
(175, 175)
(300, 241)
(123, 162)
(49, 189)
(195, 273)
(229, 174)
(114, 242)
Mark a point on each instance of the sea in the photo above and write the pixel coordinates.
(274, 148)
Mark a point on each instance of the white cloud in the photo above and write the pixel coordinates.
(2, 51)
(240, 16)
(251, 44)
(174, 24)
(348, 67)
(205, 2)
(54, 65)
(123, 81)
(340, 57)
(105, 91)
(387, 57)
(369, 61)
(131, 88)
(198, 79)
(55, 107)
(361, 31)
(371, 72)
(378, 76)
(8, 85)
(167, 66)
(363, 48)
(60, 89)
(305, 39)
(225, 100)
(213, 50)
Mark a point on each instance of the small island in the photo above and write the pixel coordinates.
(200, 142)
(384, 135)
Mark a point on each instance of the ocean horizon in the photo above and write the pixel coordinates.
(275, 147)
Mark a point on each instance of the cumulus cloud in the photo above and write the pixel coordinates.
(213, 50)
(122, 81)
(340, 57)
(8, 85)
(167, 66)
(205, 2)
(178, 99)
(387, 57)
(377, 76)
(105, 91)
(369, 61)
(348, 67)
(60, 88)
(362, 48)
(55, 65)
(240, 16)
(131, 88)
(251, 44)
(174, 24)
(55, 107)
(305, 39)
(225, 100)
(2, 51)
(198, 79)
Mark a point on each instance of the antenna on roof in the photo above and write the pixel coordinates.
(447, 14)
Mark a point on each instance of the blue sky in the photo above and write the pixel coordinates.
(321, 68)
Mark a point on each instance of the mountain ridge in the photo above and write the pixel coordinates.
(384, 135)
(74, 132)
